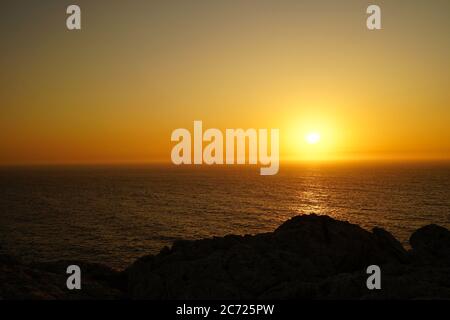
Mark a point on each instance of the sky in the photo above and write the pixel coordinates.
(114, 91)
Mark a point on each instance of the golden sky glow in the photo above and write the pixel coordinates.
(114, 91)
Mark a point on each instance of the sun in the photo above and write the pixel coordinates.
(312, 137)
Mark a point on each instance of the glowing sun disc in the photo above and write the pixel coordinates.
(312, 137)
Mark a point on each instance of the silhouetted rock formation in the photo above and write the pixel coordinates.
(310, 257)
(48, 280)
(431, 244)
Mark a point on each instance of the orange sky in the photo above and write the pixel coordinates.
(114, 91)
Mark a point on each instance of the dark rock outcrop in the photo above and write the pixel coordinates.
(307, 257)
(21, 281)
(431, 244)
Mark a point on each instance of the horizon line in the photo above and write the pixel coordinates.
(169, 163)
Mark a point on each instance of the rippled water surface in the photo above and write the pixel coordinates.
(113, 215)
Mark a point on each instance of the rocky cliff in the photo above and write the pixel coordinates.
(307, 257)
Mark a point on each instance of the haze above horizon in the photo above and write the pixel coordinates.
(114, 91)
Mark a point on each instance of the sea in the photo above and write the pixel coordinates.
(117, 213)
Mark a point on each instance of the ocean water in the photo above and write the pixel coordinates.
(115, 214)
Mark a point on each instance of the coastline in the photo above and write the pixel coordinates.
(306, 257)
